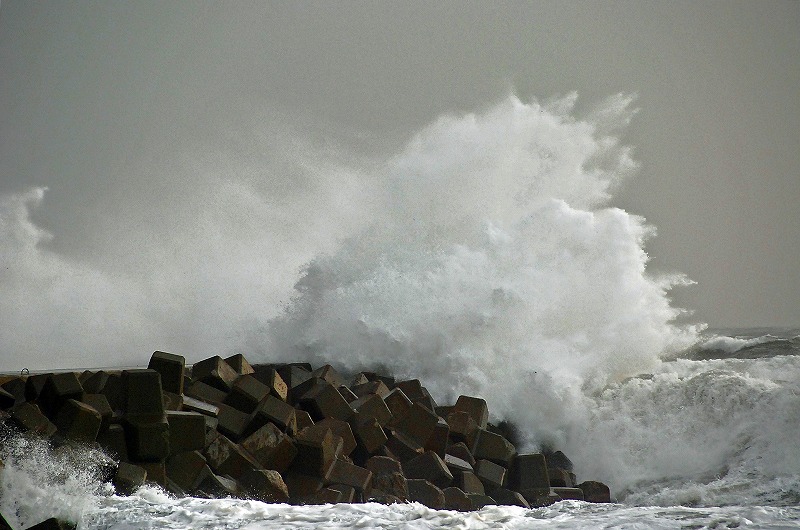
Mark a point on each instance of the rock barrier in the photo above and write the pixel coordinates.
(289, 433)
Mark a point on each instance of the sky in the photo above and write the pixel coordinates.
(127, 112)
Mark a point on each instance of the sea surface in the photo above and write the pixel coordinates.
(710, 439)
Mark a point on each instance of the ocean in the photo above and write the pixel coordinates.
(706, 440)
(484, 258)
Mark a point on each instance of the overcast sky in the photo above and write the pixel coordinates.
(106, 104)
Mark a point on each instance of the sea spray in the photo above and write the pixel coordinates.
(495, 268)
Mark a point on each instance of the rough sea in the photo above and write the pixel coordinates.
(485, 258)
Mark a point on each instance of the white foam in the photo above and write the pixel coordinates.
(733, 344)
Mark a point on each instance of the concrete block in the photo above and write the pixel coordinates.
(492, 446)
(187, 431)
(506, 497)
(219, 486)
(34, 385)
(558, 459)
(560, 478)
(99, 402)
(492, 475)
(324, 401)
(370, 387)
(324, 496)
(479, 501)
(271, 448)
(4, 524)
(57, 390)
(246, 394)
(348, 493)
(456, 500)
(129, 478)
(391, 487)
(112, 440)
(28, 417)
(431, 467)
(191, 404)
(15, 387)
(369, 436)
(463, 428)
(172, 401)
(95, 383)
(171, 368)
(7, 399)
(418, 423)
(351, 475)
(594, 491)
(303, 419)
(215, 372)
(232, 423)
(317, 450)
(301, 486)
(205, 392)
(331, 375)
(528, 475)
(265, 485)
(439, 439)
(412, 388)
(425, 493)
(147, 437)
(459, 450)
(342, 429)
(403, 446)
(112, 390)
(372, 405)
(457, 465)
(294, 376)
(141, 392)
(186, 469)
(227, 458)
(273, 410)
(397, 402)
(53, 524)
(476, 407)
(78, 421)
(569, 493)
(156, 473)
(272, 379)
(347, 394)
(239, 364)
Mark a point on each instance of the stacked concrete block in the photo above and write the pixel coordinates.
(289, 433)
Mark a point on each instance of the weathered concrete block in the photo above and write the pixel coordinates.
(331, 375)
(57, 390)
(227, 458)
(324, 496)
(389, 487)
(439, 439)
(594, 491)
(4, 524)
(172, 401)
(301, 486)
(369, 436)
(112, 439)
(215, 372)
(191, 404)
(129, 478)
(53, 524)
(7, 399)
(271, 448)
(15, 387)
(99, 402)
(425, 493)
(528, 475)
(273, 410)
(372, 405)
(459, 450)
(324, 401)
(347, 394)
(141, 392)
(112, 390)
(342, 429)
(506, 497)
(272, 379)
(403, 446)
(303, 419)
(95, 383)
(560, 478)
(418, 423)
(431, 467)
(351, 475)
(317, 450)
(265, 485)
(479, 501)
(239, 364)
(246, 394)
(477, 409)
(348, 493)
(233, 423)
(491, 446)
(29, 418)
(370, 387)
(412, 388)
(463, 428)
(397, 402)
(294, 376)
(156, 472)
(457, 465)
(171, 368)
(492, 475)
(186, 469)
(220, 486)
(78, 421)
(206, 393)
(558, 459)
(147, 437)
(34, 385)
(457, 500)
(187, 431)
(569, 493)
